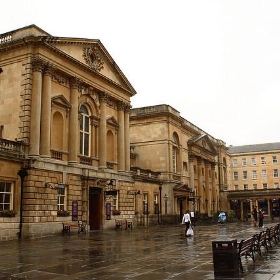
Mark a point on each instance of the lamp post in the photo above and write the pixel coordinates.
(165, 202)
(22, 173)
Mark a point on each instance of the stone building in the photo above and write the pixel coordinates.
(192, 164)
(64, 130)
(254, 179)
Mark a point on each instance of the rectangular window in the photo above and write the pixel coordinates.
(156, 203)
(174, 159)
(276, 185)
(145, 203)
(1, 131)
(265, 186)
(263, 161)
(61, 198)
(235, 175)
(244, 162)
(115, 202)
(274, 159)
(245, 186)
(255, 186)
(264, 174)
(245, 175)
(254, 161)
(254, 174)
(6, 196)
(234, 162)
(236, 187)
(275, 173)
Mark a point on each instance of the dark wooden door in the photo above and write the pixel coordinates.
(95, 208)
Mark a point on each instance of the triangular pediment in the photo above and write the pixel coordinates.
(61, 101)
(93, 55)
(112, 121)
(201, 145)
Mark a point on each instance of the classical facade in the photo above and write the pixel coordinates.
(192, 164)
(254, 179)
(64, 131)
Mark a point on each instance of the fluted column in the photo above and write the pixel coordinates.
(102, 131)
(121, 141)
(127, 137)
(73, 121)
(201, 193)
(35, 114)
(46, 112)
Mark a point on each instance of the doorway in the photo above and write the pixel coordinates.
(95, 208)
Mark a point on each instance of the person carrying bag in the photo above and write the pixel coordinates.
(187, 221)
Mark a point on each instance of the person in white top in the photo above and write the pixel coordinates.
(186, 220)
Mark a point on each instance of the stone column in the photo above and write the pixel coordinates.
(213, 180)
(127, 137)
(35, 114)
(102, 131)
(191, 158)
(207, 185)
(121, 141)
(46, 112)
(201, 192)
(73, 121)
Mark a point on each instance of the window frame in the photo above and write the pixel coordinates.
(5, 193)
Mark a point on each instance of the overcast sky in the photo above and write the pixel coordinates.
(216, 62)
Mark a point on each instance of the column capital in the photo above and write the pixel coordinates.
(49, 69)
(75, 83)
(103, 97)
(38, 64)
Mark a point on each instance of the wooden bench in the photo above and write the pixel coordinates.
(80, 225)
(121, 224)
(245, 248)
(259, 242)
(271, 236)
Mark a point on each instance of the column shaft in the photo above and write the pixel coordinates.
(46, 114)
(121, 141)
(102, 132)
(73, 121)
(35, 114)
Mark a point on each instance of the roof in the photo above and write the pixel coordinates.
(254, 148)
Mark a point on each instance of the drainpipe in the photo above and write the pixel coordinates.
(22, 173)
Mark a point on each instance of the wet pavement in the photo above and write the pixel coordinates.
(141, 254)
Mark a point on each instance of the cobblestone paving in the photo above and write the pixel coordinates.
(139, 254)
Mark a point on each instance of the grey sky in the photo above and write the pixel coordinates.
(217, 62)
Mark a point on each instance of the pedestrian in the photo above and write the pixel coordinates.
(261, 216)
(186, 220)
(255, 215)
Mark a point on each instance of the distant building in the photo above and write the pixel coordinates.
(254, 178)
(192, 164)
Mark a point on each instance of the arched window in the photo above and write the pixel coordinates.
(84, 131)
(175, 152)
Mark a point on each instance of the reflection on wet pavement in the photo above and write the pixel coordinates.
(147, 253)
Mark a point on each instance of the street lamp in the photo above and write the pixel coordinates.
(160, 212)
(165, 202)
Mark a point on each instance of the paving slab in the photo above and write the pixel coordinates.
(161, 252)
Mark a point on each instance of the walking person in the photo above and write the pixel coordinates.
(261, 216)
(187, 221)
(255, 215)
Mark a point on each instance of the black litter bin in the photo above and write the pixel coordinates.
(225, 258)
